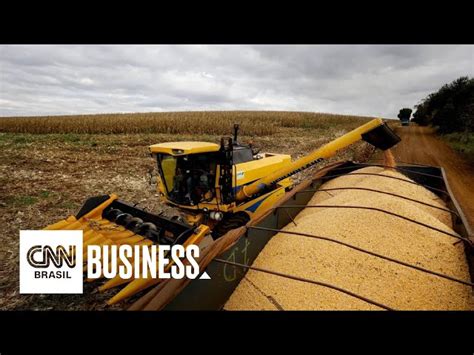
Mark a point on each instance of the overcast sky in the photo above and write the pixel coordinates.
(361, 80)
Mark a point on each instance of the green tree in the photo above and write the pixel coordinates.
(420, 116)
(404, 114)
(450, 109)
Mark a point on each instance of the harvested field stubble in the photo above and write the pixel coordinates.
(391, 284)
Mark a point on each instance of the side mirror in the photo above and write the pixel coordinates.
(226, 144)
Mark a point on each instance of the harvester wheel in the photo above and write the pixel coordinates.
(229, 223)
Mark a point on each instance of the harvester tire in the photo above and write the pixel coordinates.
(229, 223)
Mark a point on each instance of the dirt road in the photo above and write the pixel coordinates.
(420, 145)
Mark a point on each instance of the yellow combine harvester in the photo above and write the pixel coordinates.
(219, 187)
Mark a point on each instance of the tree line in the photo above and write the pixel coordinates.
(450, 109)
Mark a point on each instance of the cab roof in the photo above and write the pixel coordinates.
(182, 148)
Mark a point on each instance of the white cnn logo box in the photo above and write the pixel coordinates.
(51, 261)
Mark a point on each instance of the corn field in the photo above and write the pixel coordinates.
(198, 122)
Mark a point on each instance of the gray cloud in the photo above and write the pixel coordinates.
(362, 80)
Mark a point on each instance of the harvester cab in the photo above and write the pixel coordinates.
(203, 178)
